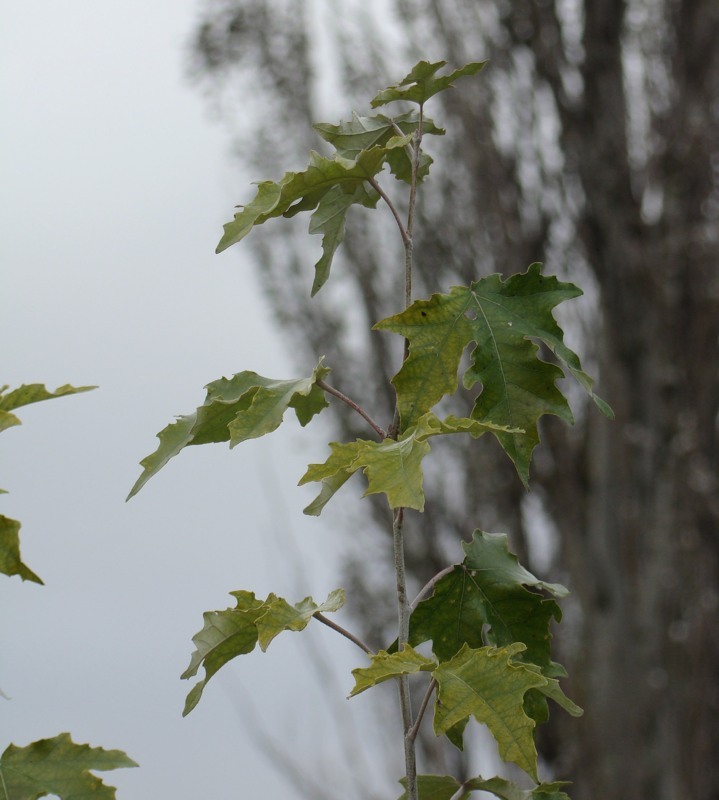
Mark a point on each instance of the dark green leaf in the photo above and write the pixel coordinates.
(487, 589)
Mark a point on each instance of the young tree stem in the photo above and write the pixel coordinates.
(410, 757)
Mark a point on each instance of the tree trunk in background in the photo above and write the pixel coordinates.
(592, 143)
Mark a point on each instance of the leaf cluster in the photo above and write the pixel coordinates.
(488, 619)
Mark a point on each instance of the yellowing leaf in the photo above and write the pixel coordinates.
(278, 615)
(392, 467)
(235, 631)
(500, 318)
(243, 407)
(487, 685)
(58, 767)
(389, 665)
(422, 82)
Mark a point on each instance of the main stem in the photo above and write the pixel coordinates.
(403, 607)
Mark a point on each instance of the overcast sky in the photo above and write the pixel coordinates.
(115, 184)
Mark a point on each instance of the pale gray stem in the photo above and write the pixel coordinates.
(429, 585)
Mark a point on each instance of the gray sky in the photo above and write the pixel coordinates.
(115, 185)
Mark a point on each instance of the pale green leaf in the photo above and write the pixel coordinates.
(390, 665)
(485, 683)
(500, 317)
(58, 767)
(10, 561)
(235, 631)
(422, 82)
(392, 467)
(278, 615)
(243, 407)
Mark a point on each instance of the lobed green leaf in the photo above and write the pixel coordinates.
(487, 684)
(58, 767)
(235, 631)
(486, 600)
(392, 467)
(500, 318)
(10, 561)
(422, 82)
(243, 407)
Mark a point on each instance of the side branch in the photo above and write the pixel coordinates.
(380, 191)
(425, 590)
(335, 627)
(412, 735)
(380, 431)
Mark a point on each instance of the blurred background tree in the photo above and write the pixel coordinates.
(591, 143)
